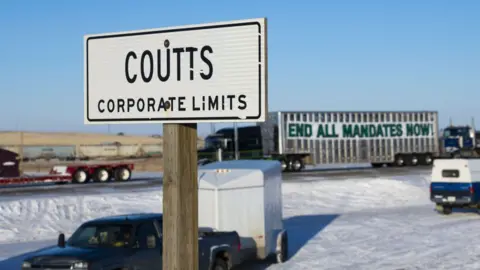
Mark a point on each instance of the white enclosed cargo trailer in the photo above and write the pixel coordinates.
(316, 137)
(245, 196)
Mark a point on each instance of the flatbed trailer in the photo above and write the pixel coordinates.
(80, 173)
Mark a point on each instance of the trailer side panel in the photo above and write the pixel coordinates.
(356, 137)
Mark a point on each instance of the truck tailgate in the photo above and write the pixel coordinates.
(452, 193)
(451, 189)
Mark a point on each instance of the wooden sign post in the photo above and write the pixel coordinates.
(180, 197)
(178, 76)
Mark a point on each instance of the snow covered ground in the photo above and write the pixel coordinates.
(372, 223)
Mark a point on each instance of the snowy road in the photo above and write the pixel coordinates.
(142, 180)
(358, 223)
(139, 179)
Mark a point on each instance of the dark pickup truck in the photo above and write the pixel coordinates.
(129, 242)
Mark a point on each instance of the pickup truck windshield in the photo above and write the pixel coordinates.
(102, 235)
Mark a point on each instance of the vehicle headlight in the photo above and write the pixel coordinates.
(26, 265)
(80, 265)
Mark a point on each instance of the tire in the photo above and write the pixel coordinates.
(413, 160)
(220, 264)
(122, 174)
(284, 165)
(282, 256)
(101, 175)
(447, 210)
(80, 177)
(399, 161)
(427, 160)
(296, 164)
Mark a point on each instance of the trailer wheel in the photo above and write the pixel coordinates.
(282, 250)
(399, 160)
(101, 175)
(284, 165)
(122, 174)
(412, 160)
(296, 164)
(80, 176)
(427, 160)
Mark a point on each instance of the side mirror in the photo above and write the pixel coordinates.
(61, 240)
(151, 241)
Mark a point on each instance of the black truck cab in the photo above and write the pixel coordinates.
(249, 143)
(250, 146)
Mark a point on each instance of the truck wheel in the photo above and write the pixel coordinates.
(101, 175)
(447, 210)
(80, 177)
(296, 164)
(282, 254)
(220, 264)
(122, 174)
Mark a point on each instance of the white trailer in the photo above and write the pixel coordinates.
(245, 196)
(322, 137)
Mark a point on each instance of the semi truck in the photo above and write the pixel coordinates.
(461, 141)
(300, 138)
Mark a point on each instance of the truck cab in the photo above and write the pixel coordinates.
(249, 143)
(461, 141)
(254, 142)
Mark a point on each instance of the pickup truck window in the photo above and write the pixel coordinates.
(451, 173)
(102, 235)
(145, 230)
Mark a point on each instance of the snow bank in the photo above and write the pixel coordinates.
(337, 196)
(43, 217)
(29, 219)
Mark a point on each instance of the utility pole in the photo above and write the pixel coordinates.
(212, 128)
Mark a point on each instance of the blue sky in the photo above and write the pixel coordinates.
(323, 55)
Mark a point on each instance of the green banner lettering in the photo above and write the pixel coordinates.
(363, 131)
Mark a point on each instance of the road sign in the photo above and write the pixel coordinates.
(213, 72)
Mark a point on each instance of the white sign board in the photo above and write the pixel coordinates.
(199, 73)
